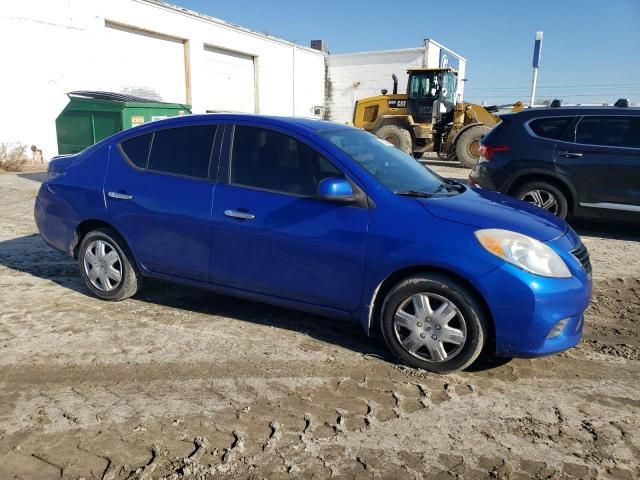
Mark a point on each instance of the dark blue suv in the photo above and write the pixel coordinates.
(325, 218)
(571, 161)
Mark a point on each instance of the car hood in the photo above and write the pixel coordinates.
(488, 209)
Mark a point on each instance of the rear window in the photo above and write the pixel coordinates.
(554, 128)
(614, 131)
(137, 150)
(183, 151)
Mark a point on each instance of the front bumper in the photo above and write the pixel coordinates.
(526, 307)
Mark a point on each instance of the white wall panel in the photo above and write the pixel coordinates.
(141, 63)
(230, 81)
(56, 46)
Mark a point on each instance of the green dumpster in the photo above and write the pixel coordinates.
(91, 116)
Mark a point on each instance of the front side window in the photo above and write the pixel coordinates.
(393, 168)
(183, 151)
(273, 161)
(553, 128)
(613, 131)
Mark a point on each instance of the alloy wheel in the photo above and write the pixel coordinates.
(541, 198)
(430, 327)
(103, 265)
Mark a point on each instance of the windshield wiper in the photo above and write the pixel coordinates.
(459, 186)
(439, 188)
(415, 193)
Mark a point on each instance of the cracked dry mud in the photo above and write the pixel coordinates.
(181, 383)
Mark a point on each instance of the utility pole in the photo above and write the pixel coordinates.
(537, 49)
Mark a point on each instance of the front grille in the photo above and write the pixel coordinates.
(582, 255)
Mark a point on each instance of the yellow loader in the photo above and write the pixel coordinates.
(427, 118)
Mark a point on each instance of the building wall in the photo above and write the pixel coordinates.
(148, 48)
(352, 76)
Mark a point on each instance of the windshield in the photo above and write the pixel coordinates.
(393, 168)
(423, 85)
(449, 83)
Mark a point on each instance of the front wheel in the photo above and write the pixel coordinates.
(468, 145)
(106, 266)
(433, 322)
(397, 136)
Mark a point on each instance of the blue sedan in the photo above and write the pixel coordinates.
(323, 218)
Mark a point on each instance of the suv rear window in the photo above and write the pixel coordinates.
(553, 128)
(613, 131)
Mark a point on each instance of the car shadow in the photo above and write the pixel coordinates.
(605, 229)
(31, 255)
(34, 176)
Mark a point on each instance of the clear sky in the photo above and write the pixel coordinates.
(591, 50)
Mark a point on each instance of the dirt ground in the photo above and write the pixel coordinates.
(181, 383)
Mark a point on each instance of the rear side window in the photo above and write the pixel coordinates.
(183, 151)
(137, 150)
(274, 161)
(609, 131)
(552, 128)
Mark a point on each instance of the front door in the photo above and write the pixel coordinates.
(604, 160)
(159, 196)
(273, 237)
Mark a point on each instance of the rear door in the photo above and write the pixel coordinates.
(159, 194)
(604, 159)
(271, 236)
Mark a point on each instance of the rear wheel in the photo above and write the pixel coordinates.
(434, 323)
(546, 196)
(106, 266)
(468, 145)
(399, 137)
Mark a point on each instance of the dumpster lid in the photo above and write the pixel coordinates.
(118, 97)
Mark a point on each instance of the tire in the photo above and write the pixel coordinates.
(412, 334)
(468, 144)
(398, 136)
(546, 196)
(115, 276)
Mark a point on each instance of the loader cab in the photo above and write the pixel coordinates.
(429, 88)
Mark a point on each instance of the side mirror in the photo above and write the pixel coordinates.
(335, 190)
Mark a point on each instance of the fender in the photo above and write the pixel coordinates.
(451, 142)
(555, 174)
(401, 120)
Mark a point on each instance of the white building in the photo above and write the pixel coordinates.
(146, 48)
(352, 76)
(156, 50)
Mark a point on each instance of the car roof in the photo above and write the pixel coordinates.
(576, 110)
(309, 124)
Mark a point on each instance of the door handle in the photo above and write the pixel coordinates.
(119, 196)
(239, 214)
(567, 154)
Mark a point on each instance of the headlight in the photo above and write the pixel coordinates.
(524, 252)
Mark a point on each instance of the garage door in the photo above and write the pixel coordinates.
(229, 80)
(142, 63)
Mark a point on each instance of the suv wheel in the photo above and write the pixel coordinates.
(106, 267)
(434, 323)
(545, 196)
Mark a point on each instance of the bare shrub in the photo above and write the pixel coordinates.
(12, 156)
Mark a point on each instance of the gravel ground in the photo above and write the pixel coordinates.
(182, 383)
